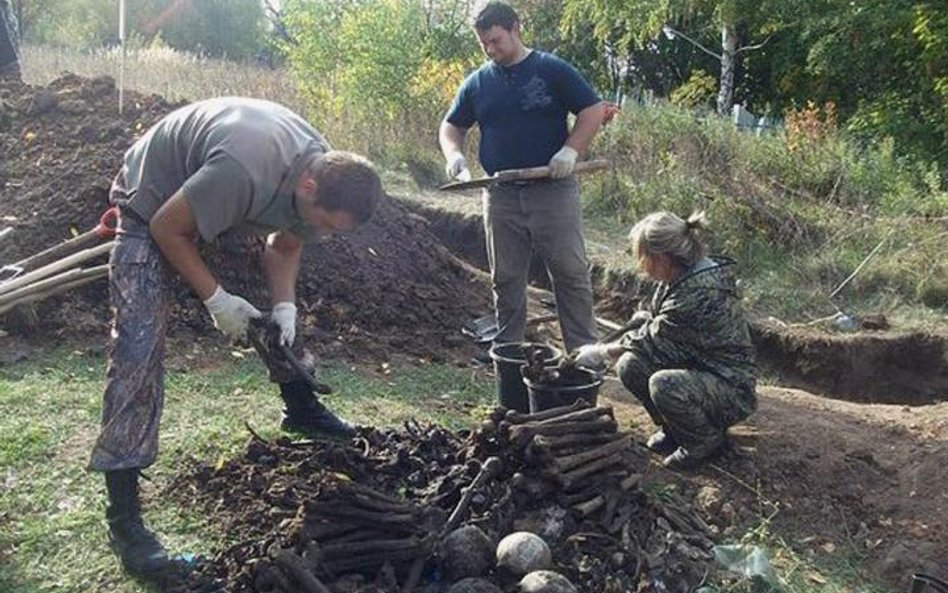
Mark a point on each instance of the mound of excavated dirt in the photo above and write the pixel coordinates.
(390, 285)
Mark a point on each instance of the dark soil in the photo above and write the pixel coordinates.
(838, 481)
(389, 286)
(867, 367)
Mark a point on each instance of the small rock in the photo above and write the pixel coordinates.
(523, 552)
(546, 581)
(876, 321)
(474, 586)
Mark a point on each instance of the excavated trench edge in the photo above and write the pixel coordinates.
(870, 367)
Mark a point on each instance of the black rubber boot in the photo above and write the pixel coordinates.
(141, 552)
(305, 415)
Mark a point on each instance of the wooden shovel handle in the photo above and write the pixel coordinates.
(544, 171)
(103, 231)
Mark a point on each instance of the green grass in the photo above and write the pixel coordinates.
(843, 571)
(52, 528)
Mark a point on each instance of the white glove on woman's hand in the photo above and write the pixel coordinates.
(284, 315)
(456, 167)
(563, 162)
(591, 356)
(640, 318)
(231, 313)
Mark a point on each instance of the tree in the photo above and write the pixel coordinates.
(226, 28)
(884, 63)
(387, 66)
(635, 23)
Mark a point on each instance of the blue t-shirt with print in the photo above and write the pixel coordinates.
(521, 109)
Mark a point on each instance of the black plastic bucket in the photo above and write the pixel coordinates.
(508, 358)
(572, 384)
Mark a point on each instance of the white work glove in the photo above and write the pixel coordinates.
(591, 356)
(563, 162)
(640, 318)
(231, 313)
(456, 167)
(284, 315)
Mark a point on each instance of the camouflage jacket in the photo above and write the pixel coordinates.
(698, 322)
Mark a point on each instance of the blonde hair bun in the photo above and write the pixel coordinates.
(665, 233)
(698, 220)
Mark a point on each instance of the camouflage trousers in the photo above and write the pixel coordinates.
(693, 406)
(140, 293)
(134, 392)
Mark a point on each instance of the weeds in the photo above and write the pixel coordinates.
(799, 209)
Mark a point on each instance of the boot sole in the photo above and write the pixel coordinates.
(311, 432)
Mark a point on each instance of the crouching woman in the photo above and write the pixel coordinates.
(691, 361)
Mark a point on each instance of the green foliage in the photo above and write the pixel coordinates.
(698, 91)
(799, 216)
(233, 28)
(883, 63)
(378, 75)
(380, 54)
(222, 28)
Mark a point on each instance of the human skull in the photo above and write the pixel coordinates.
(546, 581)
(466, 552)
(522, 552)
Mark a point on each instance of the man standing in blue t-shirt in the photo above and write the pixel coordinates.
(521, 100)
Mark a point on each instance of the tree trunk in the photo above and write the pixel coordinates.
(728, 51)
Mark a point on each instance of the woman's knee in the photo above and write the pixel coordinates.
(669, 388)
(632, 371)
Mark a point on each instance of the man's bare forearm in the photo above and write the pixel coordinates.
(451, 138)
(174, 230)
(588, 122)
(281, 266)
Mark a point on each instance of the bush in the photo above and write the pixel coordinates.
(378, 75)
